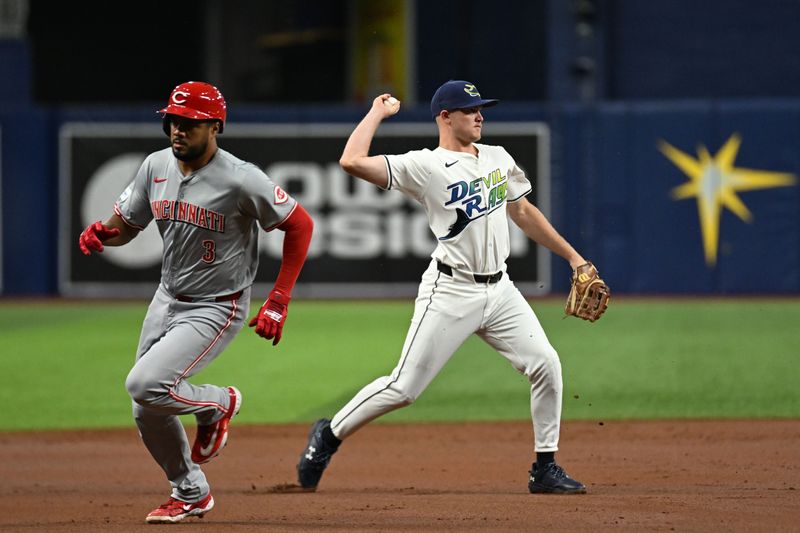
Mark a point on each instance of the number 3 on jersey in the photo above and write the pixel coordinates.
(210, 253)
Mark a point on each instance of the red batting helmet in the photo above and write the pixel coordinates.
(196, 100)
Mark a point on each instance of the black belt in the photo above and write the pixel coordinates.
(226, 298)
(479, 278)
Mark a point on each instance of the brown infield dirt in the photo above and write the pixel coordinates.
(678, 475)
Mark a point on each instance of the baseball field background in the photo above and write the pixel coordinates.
(680, 414)
(647, 358)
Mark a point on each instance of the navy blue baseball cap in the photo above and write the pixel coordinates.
(458, 94)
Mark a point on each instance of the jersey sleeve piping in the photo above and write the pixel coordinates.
(389, 172)
(526, 193)
(272, 227)
(127, 222)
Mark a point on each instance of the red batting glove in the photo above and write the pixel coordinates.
(271, 317)
(91, 240)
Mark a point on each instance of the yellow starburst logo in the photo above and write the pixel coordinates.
(714, 181)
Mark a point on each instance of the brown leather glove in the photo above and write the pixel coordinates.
(589, 295)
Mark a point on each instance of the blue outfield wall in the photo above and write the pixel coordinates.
(653, 242)
(29, 202)
(611, 189)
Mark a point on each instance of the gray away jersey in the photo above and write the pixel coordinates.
(465, 199)
(208, 220)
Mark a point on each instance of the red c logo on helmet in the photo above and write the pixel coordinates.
(180, 97)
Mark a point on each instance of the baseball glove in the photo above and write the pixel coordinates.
(589, 295)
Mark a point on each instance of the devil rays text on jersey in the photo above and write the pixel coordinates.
(470, 195)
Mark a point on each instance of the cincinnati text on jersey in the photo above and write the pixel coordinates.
(469, 194)
(188, 213)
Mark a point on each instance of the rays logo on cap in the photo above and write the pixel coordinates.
(471, 90)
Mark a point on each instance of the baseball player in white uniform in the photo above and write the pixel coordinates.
(208, 206)
(467, 190)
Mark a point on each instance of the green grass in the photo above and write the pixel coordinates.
(63, 364)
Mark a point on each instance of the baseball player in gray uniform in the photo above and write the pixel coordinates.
(467, 190)
(208, 206)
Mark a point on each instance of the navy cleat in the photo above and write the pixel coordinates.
(316, 456)
(551, 479)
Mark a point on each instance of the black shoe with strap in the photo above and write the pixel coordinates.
(316, 456)
(552, 479)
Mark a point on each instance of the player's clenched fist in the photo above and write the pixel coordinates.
(91, 240)
(271, 317)
(386, 104)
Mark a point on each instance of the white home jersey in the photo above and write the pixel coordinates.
(208, 220)
(465, 198)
